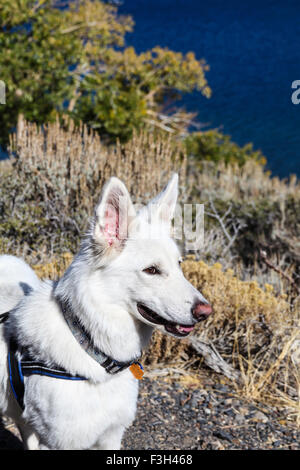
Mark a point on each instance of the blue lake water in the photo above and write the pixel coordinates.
(253, 49)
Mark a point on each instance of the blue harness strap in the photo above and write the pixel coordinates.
(15, 373)
(21, 364)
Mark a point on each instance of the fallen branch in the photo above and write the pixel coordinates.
(213, 359)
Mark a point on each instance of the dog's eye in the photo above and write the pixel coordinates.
(151, 270)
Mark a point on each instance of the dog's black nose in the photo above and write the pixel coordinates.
(201, 310)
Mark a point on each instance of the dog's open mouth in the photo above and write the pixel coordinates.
(171, 327)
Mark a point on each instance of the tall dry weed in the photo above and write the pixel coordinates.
(76, 164)
(57, 176)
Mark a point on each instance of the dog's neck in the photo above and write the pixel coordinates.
(113, 330)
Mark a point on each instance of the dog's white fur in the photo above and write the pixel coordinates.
(103, 284)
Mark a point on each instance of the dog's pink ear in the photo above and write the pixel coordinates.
(113, 215)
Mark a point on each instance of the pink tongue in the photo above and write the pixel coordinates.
(186, 329)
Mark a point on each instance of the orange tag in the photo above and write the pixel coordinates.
(137, 370)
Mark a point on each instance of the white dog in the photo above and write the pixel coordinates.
(93, 323)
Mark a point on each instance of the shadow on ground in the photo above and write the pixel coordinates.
(8, 440)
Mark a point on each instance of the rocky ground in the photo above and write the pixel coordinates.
(181, 415)
(185, 412)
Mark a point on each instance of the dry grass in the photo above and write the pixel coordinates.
(54, 183)
(255, 330)
(5, 167)
(251, 181)
(247, 211)
(75, 164)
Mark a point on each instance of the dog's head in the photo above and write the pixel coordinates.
(140, 262)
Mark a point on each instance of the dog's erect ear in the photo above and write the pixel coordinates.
(166, 201)
(113, 215)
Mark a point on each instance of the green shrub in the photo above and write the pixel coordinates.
(73, 61)
(216, 147)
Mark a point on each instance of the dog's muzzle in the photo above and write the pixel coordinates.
(180, 330)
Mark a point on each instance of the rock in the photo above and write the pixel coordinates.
(222, 435)
(258, 416)
(243, 410)
(239, 418)
(201, 421)
(228, 401)
(229, 412)
(217, 445)
(221, 388)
